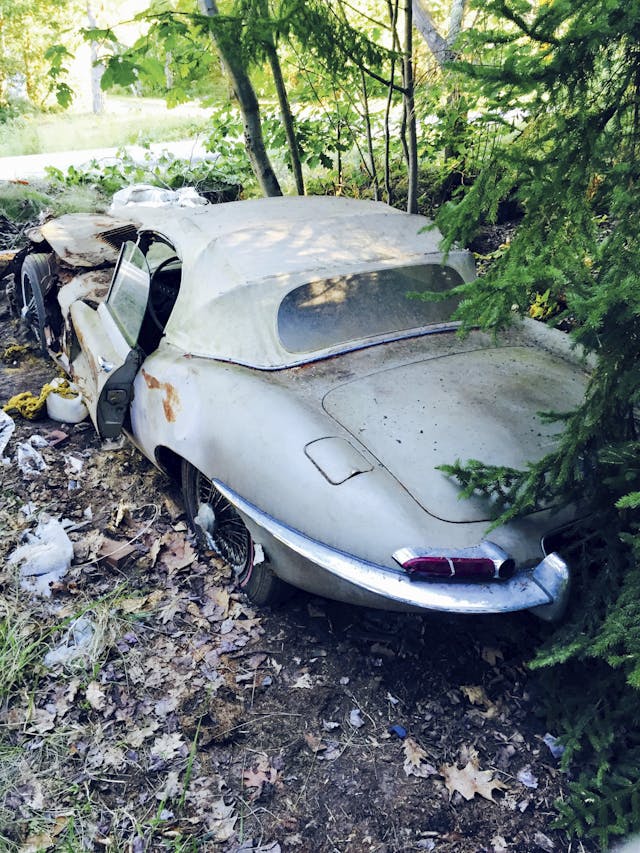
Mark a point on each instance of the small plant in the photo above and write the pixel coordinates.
(22, 645)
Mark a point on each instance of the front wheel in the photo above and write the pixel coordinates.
(219, 528)
(35, 278)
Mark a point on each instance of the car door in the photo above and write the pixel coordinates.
(106, 359)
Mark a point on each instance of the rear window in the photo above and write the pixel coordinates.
(333, 311)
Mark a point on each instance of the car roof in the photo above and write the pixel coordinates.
(241, 258)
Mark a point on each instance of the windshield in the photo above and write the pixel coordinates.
(333, 311)
(129, 291)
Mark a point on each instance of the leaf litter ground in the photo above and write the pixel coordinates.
(190, 720)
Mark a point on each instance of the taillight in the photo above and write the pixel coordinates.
(485, 561)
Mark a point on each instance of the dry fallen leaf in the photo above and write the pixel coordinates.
(356, 719)
(154, 550)
(122, 512)
(259, 773)
(95, 696)
(470, 780)
(477, 696)
(113, 757)
(136, 737)
(415, 760)
(303, 682)
(131, 605)
(167, 746)
(491, 655)
(171, 787)
(37, 843)
(314, 742)
(221, 821)
(171, 608)
(544, 842)
(41, 721)
(177, 553)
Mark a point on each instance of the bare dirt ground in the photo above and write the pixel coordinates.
(192, 721)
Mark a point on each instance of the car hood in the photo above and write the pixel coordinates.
(481, 404)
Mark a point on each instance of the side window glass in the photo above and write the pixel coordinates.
(129, 291)
(157, 253)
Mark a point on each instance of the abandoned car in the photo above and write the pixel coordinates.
(273, 355)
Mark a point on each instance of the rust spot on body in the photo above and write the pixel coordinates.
(171, 401)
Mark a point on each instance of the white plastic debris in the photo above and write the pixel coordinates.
(45, 558)
(28, 510)
(526, 778)
(356, 719)
(30, 461)
(7, 426)
(66, 410)
(555, 747)
(73, 465)
(206, 521)
(151, 196)
(76, 645)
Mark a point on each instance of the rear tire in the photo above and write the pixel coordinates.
(219, 528)
(35, 278)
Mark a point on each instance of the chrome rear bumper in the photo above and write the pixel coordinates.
(543, 589)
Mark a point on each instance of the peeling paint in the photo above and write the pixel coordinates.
(171, 401)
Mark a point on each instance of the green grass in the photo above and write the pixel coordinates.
(128, 121)
(22, 645)
(20, 203)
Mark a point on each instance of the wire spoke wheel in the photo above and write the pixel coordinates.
(35, 277)
(222, 528)
(219, 528)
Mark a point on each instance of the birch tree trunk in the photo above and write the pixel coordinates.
(440, 47)
(97, 70)
(249, 107)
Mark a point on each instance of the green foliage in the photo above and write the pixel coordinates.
(574, 155)
(574, 67)
(20, 203)
(56, 56)
(172, 59)
(163, 171)
(30, 53)
(600, 716)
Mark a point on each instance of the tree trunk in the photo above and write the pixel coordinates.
(249, 107)
(455, 22)
(440, 47)
(367, 120)
(392, 8)
(410, 112)
(97, 70)
(287, 118)
(436, 43)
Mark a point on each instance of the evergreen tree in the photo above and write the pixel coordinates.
(572, 166)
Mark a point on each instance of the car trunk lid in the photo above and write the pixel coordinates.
(481, 404)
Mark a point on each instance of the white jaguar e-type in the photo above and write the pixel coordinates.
(272, 354)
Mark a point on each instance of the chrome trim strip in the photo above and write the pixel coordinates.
(545, 586)
(343, 349)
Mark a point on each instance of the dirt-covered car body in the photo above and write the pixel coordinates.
(271, 351)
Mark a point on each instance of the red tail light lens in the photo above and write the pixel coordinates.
(483, 562)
